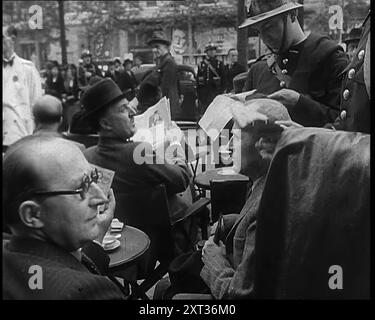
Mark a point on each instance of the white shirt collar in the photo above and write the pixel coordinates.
(13, 56)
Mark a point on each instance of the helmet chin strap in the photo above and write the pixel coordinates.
(282, 45)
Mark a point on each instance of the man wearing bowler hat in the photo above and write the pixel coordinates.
(165, 75)
(209, 77)
(302, 72)
(107, 109)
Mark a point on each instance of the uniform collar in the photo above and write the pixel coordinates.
(297, 47)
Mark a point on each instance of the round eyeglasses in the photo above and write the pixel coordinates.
(95, 176)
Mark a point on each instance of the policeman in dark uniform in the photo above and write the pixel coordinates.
(302, 72)
(88, 69)
(210, 80)
(355, 96)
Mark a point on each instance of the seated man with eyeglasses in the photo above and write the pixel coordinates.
(54, 208)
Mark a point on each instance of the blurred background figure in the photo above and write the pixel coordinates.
(232, 69)
(352, 40)
(87, 70)
(118, 66)
(48, 117)
(209, 78)
(48, 113)
(70, 96)
(110, 73)
(21, 88)
(129, 83)
(137, 63)
(55, 82)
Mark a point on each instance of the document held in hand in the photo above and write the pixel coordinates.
(152, 124)
(219, 113)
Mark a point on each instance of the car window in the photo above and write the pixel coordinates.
(186, 75)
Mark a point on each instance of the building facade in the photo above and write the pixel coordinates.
(122, 28)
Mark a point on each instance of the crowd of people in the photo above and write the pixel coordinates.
(301, 215)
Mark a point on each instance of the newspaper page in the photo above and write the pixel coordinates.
(152, 124)
(218, 113)
(105, 178)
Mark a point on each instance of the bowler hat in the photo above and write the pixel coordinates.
(99, 96)
(261, 10)
(159, 37)
(210, 46)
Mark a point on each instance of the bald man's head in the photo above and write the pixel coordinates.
(31, 164)
(47, 110)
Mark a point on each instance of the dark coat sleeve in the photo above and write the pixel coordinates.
(313, 113)
(175, 177)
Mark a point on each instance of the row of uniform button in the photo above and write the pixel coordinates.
(351, 73)
(284, 71)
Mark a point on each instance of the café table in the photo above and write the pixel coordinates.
(203, 180)
(133, 244)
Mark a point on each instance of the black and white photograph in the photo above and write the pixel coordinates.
(255, 185)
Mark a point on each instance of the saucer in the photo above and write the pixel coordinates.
(108, 240)
(112, 246)
(227, 172)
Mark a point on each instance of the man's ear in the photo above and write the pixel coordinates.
(30, 214)
(266, 147)
(105, 124)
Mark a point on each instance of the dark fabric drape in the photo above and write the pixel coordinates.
(315, 213)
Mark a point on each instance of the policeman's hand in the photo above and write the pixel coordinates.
(211, 249)
(88, 74)
(287, 97)
(288, 124)
(105, 216)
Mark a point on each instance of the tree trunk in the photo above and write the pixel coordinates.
(190, 41)
(241, 34)
(64, 58)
